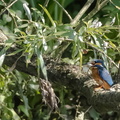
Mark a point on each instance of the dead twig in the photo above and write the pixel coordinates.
(48, 94)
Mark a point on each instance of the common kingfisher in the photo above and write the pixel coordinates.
(100, 74)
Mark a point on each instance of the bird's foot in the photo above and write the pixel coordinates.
(97, 88)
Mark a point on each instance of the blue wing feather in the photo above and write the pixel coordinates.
(104, 74)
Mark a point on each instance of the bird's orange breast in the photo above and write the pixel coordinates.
(98, 79)
(96, 76)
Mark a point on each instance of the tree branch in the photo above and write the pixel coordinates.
(81, 12)
(98, 7)
(69, 75)
(7, 7)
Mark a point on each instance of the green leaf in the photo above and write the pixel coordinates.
(112, 44)
(14, 114)
(93, 45)
(24, 110)
(45, 46)
(74, 50)
(25, 101)
(15, 52)
(43, 67)
(27, 10)
(82, 30)
(41, 64)
(23, 26)
(39, 14)
(60, 33)
(96, 40)
(2, 98)
(48, 14)
(2, 56)
(81, 57)
(94, 114)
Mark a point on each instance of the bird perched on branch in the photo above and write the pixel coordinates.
(100, 74)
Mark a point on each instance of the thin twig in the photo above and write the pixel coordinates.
(8, 7)
(64, 10)
(13, 19)
(88, 109)
(71, 40)
(98, 7)
(46, 3)
(4, 2)
(81, 12)
(103, 53)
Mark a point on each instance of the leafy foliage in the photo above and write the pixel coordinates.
(39, 29)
